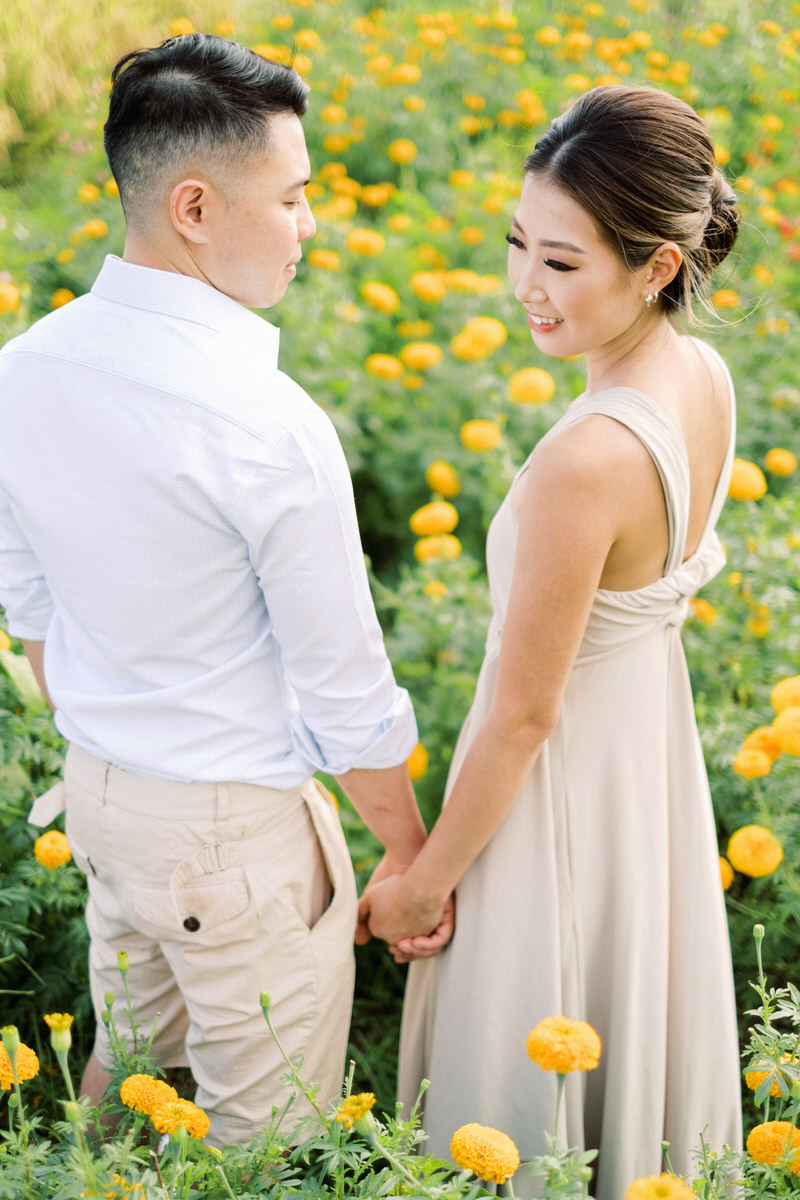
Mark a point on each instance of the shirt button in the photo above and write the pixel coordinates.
(192, 924)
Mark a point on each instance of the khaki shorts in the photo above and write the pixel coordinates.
(217, 892)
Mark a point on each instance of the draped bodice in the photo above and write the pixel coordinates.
(620, 618)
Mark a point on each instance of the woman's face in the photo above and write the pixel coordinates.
(577, 293)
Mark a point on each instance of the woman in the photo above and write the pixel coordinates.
(578, 831)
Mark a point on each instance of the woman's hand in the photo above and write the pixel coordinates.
(394, 911)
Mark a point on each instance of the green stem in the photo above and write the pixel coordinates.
(559, 1093)
(304, 1088)
(224, 1179)
(395, 1163)
(62, 1055)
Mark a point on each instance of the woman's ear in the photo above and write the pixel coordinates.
(188, 210)
(662, 268)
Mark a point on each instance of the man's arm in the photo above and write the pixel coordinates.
(34, 652)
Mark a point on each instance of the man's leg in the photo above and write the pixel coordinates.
(95, 1080)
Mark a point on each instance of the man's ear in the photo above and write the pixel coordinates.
(188, 210)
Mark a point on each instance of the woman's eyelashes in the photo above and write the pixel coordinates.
(553, 263)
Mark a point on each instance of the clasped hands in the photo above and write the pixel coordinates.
(414, 925)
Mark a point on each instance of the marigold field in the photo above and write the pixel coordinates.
(401, 324)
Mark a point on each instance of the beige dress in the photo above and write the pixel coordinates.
(599, 896)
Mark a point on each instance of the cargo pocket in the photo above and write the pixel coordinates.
(203, 895)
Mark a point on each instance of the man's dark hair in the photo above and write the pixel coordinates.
(192, 97)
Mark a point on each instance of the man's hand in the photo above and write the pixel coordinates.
(393, 911)
(385, 869)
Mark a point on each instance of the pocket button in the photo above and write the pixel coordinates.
(192, 924)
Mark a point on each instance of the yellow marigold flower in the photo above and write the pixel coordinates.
(145, 1093)
(428, 285)
(437, 517)
(462, 179)
(385, 366)
(324, 260)
(561, 1044)
(420, 356)
(775, 1143)
(60, 297)
(417, 761)
(52, 849)
(763, 739)
(531, 385)
(780, 462)
(479, 338)
(461, 279)
(442, 477)
(180, 27)
(703, 611)
(333, 114)
(754, 1079)
(548, 35)
(404, 73)
(225, 29)
(96, 228)
(377, 194)
(5, 640)
(307, 39)
(751, 763)
(437, 545)
(379, 64)
(171, 1115)
(659, 1187)
(302, 64)
(27, 1065)
(725, 873)
(488, 1153)
(786, 694)
(354, 1108)
(402, 150)
(786, 728)
(480, 434)
(9, 298)
(471, 235)
(747, 481)
(414, 330)
(89, 193)
(58, 1022)
(381, 297)
(434, 587)
(414, 104)
(365, 241)
(726, 298)
(754, 851)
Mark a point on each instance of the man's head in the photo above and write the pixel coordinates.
(205, 142)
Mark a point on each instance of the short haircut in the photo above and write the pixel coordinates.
(192, 98)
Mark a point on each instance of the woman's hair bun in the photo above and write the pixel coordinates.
(723, 223)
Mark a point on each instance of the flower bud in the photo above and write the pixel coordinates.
(108, 999)
(72, 1111)
(758, 933)
(123, 962)
(11, 1040)
(265, 1000)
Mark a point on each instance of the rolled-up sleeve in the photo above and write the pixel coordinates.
(24, 593)
(343, 704)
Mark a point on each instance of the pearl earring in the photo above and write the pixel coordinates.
(650, 298)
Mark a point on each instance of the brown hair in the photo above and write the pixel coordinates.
(641, 163)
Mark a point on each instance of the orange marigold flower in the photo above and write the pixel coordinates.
(786, 694)
(747, 481)
(437, 545)
(442, 477)
(563, 1045)
(9, 298)
(754, 1079)
(488, 1153)
(60, 297)
(763, 739)
(324, 260)
(531, 385)
(417, 761)
(420, 356)
(659, 1187)
(171, 1115)
(437, 517)
(145, 1092)
(52, 849)
(96, 228)
(402, 150)
(751, 763)
(780, 462)
(365, 241)
(480, 434)
(776, 1143)
(385, 366)
(354, 1108)
(754, 851)
(26, 1062)
(381, 297)
(725, 873)
(786, 727)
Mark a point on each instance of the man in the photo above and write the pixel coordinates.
(181, 558)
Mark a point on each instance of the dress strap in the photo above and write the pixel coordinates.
(721, 490)
(663, 442)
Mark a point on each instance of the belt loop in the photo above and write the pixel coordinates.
(223, 801)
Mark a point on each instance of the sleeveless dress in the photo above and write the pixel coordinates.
(599, 896)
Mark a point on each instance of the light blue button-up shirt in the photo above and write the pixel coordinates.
(177, 523)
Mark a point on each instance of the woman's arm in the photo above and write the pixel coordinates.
(573, 507)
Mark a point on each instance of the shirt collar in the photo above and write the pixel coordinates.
(184, 298)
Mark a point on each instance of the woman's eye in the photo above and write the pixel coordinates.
(514, 241)
(558, 266)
